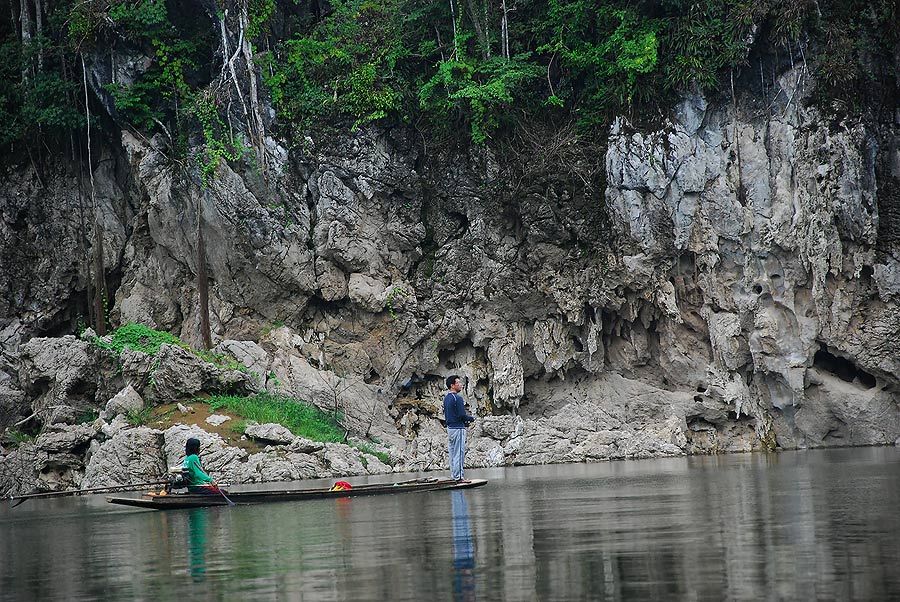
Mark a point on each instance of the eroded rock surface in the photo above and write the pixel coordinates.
(733, 287)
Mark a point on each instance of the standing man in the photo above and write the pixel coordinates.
(457, 420)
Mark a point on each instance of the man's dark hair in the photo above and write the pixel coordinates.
(451, 379)
(192, 446)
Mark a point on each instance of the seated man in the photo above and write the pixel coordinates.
(197, 480)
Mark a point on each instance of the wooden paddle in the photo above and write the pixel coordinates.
(219, 489)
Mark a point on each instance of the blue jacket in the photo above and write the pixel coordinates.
(455, 412)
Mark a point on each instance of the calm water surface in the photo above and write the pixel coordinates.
(815, 525)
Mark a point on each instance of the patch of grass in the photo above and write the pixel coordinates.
(145, 339)
(385, 458)
(88, 415)
(17, 438)
(268, 328)
(301, 418)
(140, 338)
(221, 360)
(139, 417)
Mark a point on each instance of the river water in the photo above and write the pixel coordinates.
(812, 525)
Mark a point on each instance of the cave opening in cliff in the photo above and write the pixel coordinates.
(842, 368)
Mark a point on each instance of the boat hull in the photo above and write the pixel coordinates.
(192, 500)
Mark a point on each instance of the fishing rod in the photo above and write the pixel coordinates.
(20, 499)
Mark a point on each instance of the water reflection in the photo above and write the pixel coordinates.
(797, 526)
(197, 531)
(463, 550)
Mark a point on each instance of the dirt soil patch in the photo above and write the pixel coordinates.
(231, 431)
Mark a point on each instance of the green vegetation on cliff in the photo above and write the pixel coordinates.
(302, 419)
(444, 67)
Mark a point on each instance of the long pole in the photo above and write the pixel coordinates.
(110, 488)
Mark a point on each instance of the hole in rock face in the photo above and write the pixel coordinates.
(866, 271)
(698, 398)
(842, 368)
(576, 344)
(701, 388)
(757, 289)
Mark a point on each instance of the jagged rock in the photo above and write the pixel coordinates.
(14, 405)
(374, 465)
(274, 433)
(182, 374)
(367, 292)
(217, 419)
(344, 460)
(501, 427)
(306, 446)
(18, 474)
(129, 456)
(357, 401)
(61, 376)
(125, 401)
(55, 460)
(118, 423)
(137, 367)
(66, 438)
(276, 466)
(748, 300)
(185, 409)
(331, 281)
(249, 354)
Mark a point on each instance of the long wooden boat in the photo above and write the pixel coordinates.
(193, 500)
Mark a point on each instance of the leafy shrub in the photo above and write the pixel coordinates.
(483, 90)
(344, 65)
(139, 338)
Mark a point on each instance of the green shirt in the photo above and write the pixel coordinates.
(196, 476)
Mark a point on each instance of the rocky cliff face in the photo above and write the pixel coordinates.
(733, 288)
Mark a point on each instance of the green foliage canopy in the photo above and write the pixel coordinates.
(460, 66)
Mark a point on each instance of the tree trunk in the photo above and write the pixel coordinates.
(504, 32)
(481, 32)
(27, 34)
(455, 55)
(202, 280)
(39, 31)
(257, 129)
(100, 298)
(99, 267)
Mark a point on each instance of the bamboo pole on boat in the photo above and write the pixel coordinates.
(19, 499)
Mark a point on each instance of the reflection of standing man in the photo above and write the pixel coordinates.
(463, 550)
(457, 420)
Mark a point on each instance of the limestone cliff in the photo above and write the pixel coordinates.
(725, 280)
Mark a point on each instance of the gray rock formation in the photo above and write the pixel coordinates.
(124, 402)
(270, 432)
(731, 287)
(181, 374)
(129, 456)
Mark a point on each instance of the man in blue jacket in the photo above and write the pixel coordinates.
(457, 420)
